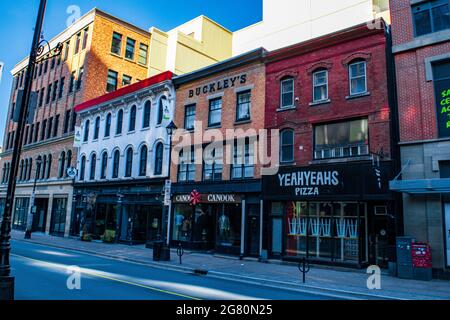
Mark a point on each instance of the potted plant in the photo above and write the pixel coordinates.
(109, 236)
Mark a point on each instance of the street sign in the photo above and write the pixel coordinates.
(32, 105)
(71, 172)
(167, 192)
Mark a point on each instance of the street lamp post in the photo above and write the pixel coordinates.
(32, 210)
(37, 49)
(166, 216)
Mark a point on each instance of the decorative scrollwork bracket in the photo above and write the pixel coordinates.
(52, 53)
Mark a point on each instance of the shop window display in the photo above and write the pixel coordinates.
(325, 230)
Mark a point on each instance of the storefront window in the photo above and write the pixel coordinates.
(324, 230)
(343, 139)
(21, 212)
(182, 226)
(229, 225)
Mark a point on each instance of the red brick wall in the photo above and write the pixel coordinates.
(416, 103)
(304, 117)
(401, 17)
(255, 77)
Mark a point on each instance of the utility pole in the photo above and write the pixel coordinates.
(6, 280)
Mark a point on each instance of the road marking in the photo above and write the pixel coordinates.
(117, 280)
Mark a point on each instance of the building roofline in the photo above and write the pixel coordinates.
(237, 61)
(351, 33)
(201, 17)
(165, 76)
(94, 11)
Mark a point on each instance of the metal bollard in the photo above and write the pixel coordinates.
(304, 268)
(180, 252)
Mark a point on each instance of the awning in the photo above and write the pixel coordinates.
(425, 186)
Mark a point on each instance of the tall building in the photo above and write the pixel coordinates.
(421, 45)
(101, 54)
(286, 22)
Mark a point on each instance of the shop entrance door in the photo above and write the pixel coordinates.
(253, 224)
(40, 217)
(447, 231)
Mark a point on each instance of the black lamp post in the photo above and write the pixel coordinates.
(165, 256)
(37, 49)
(32, 209)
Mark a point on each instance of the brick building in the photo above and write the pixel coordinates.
(101, 54)
(421, 46)
(329, 98)
(85, 69)
(216, 202)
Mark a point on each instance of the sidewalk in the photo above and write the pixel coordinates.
(344, 283)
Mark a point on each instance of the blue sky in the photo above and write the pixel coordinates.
(18, 17)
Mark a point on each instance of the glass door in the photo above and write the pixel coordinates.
(58, 219)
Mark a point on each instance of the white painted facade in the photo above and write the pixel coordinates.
(150, 137)
(287, 22)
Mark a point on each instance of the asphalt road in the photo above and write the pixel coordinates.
(43, 273)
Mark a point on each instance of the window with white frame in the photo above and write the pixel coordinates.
(358, 77)
(320, 86)
(287, 93)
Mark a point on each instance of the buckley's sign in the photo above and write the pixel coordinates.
(196, 198)
(218, 85)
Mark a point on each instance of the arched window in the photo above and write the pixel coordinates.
(69, 160)
(86, 131)
(44, 167)
(143, 161)
(104, 167)
(116, 163)
(38, 167)
(129, 163)
(30, 163)
(287, 146)
(132, 124)
(161, 104)
(159, 150)
(82, 168)
(22, 164)
(108, 125)
(147, 112)
(119, 122)
(358, 77)
(62, 164)
(97, 128)
(93, 167)
(49, 166)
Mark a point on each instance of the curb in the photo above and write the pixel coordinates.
(317, 290)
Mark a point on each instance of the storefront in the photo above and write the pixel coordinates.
(334, 214)
(129, 214)
(226, 223)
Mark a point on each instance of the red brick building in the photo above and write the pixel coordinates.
(421, 47)
(329, 98)
(216, 202)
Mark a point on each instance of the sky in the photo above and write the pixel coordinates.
(18, 18)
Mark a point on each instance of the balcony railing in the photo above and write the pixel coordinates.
(342, 152)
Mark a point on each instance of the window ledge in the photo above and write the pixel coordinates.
(217, 126)
(145, 129)
(318, 103)
(339, 160)
(359, 95)
(117, 135)
(287, 164)
(116, 55)
(131, 132)
(286, 109)
(238, 122)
